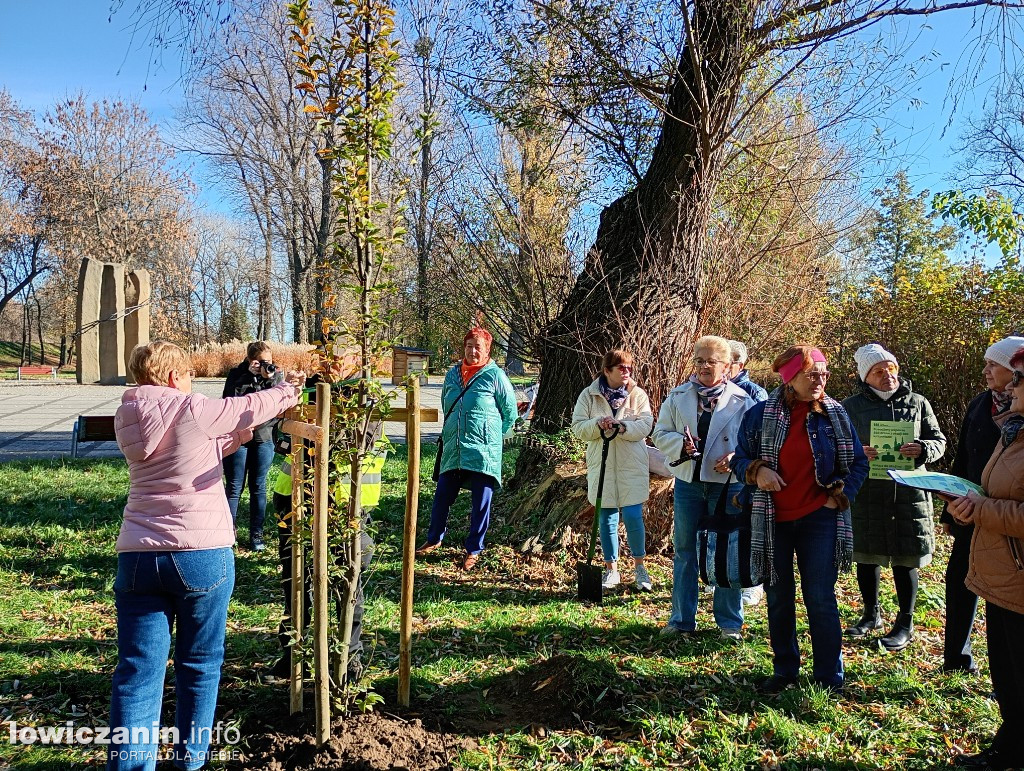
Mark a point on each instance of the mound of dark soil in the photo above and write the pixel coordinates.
(373, 742)
(557, 693)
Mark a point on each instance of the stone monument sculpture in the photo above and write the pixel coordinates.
(112, 314)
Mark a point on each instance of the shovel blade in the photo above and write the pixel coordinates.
(588, 583)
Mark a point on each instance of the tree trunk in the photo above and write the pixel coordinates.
(26, 335)
(297, 278)
(423, 215)
(264, 280)
(640, 287)
(39, 328)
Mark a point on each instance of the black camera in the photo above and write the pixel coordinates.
(267, 369)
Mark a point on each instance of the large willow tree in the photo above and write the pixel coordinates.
(705, 67)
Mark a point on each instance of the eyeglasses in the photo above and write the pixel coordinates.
(1018, 376)
(624, 368)
(888, 366)
(817, 377)
(707, 362)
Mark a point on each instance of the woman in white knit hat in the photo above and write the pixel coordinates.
(892, 524)
(979, 434)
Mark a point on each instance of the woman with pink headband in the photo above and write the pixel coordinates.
(802, 462)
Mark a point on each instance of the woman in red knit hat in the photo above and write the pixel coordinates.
(802, 462)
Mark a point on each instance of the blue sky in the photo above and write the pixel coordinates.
(84, 49)
(81, 50)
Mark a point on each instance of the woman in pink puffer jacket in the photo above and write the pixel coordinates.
(175, 564)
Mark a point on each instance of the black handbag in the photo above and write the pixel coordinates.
(723, 546)
(440, 440)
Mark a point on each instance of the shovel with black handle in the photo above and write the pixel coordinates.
(588, 575)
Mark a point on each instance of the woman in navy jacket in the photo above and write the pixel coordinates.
(802, 462)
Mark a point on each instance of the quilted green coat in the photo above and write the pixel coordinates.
(891, 519)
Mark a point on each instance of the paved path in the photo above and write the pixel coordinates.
(36, 418)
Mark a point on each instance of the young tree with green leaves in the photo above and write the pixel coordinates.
(349, 77)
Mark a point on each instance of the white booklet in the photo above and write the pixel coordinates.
(934, 482)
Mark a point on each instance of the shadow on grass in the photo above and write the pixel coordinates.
(92, 572)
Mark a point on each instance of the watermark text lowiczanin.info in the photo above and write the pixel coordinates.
(70, 733)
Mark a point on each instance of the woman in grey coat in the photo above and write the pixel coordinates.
(892, 524)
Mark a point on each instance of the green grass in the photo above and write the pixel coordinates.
(641, 702)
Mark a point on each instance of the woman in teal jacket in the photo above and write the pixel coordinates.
(479, 408)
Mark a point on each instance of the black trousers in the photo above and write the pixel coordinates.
(1006, 663)
(283, 506)
(961, 606)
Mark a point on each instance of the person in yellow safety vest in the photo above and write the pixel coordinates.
(370, 491)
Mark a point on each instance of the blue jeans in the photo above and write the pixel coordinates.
(252, 459)
(153, 592)
(693, 500)
(481, 489)
(633, 516)
(812, 539)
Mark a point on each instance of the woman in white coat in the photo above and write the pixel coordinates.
(615, 401)
(700, 421)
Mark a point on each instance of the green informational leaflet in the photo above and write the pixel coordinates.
(887, 436)
(934, 482)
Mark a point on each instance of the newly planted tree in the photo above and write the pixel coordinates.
(348, 74)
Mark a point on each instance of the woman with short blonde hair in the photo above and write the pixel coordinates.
(175, 564)
(698, 424)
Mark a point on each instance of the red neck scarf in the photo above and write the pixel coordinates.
(469, 370)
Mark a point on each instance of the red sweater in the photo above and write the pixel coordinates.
(802, 493)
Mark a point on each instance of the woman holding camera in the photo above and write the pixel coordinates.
(253, 458)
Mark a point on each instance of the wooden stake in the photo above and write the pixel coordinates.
(412, 494)
(322, 679)
(298, 570)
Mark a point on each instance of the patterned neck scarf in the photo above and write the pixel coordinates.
(1011, 429)
(707, 396)
(774, 430)
(616, 396)
(1000, 402)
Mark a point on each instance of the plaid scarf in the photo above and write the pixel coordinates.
(775, 427)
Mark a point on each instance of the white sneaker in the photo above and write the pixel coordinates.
(643, 579)
(610, 579)
(753, 595)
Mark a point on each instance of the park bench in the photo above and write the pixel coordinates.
(37, 370)
(92, 428)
